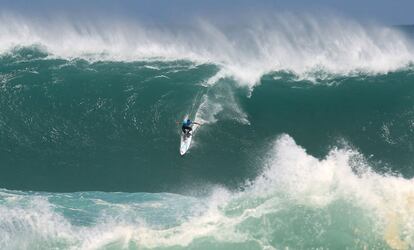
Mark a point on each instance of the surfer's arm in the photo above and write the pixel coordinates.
(197, 123)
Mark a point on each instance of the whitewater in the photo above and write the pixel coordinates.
(306, 142)
(296, 43)
(298, 202)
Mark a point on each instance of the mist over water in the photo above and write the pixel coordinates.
(306, 142)
(298, 201)
(298, 43)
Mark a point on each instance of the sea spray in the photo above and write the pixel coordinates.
(283, 41)
(297, 202)
(307, 139)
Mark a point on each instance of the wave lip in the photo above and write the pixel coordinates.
(283, 42)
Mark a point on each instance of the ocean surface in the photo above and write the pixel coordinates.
(307, 139)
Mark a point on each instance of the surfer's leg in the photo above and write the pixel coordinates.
(186, 130)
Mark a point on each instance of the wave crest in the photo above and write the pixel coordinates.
(281, 42)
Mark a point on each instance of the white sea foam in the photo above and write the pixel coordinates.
(339, 192)
(342, 175)
(245, 51)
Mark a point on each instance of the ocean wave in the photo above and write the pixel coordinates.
(298, 202)
(298, 43)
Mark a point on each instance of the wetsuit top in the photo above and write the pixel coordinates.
(187, 123)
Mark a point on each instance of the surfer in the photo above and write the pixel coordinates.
(186, 126)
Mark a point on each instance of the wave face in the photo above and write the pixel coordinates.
(306, 142)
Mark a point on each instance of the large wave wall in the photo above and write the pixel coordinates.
(306, 142)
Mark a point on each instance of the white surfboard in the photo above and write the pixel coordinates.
(186, 140)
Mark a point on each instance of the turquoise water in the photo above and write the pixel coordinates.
(312, 151)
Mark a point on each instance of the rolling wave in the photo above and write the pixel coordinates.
(306, 142)
(298, 43)
(297, 202)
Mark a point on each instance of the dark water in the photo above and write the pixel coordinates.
(110, 126)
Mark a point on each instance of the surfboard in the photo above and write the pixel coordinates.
(186, 140)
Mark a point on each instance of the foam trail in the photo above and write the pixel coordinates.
(219, 98)
(297, 43)
(207, 111)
